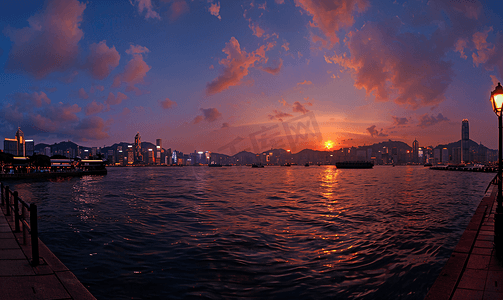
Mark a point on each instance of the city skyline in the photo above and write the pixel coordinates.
(209, 74)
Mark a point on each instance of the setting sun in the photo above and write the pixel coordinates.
(329, 144)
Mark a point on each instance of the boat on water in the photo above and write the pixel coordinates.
(306, 165)
(257, 166)
(61, 168)
(354, 165)
(214, 165)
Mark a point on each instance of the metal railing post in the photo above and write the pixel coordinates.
(16, 212)
(34, 235)
(1, 192)
(7, 212)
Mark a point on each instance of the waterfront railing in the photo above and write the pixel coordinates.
(29, 223)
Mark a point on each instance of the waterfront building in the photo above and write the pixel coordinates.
(138, 156)
(415, 151)
(456, 155)
(159, 151)
(436, 155)
(19, 146)
(465, 138)
(130, 154)
(445, 155)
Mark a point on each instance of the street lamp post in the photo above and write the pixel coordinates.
(497, 103)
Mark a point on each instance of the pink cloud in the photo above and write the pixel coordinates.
(93, 108)
(397, 121)
(91, 128)
(102, 60)
(332, 15)
(178, 8)
(298, 107)
(25, 100)
(283, 102)
(147, 5)
(215, 10)
(226, 125)
(236, 66)
(263, 6)
(96, 87)
(135, 70)
(112, 100)
(279, 1)
(167, 103)
(50, 43)
(485, 50)
(209, 115)
(83, 94)
(378, 53)
(286, 46)
(274, 71)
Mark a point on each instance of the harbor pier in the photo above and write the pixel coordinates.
(473, 271)
(27, 276)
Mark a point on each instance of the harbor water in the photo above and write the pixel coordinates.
(295, 232)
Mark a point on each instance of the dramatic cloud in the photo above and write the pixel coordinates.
(147, 5)
(92, 128)
(83, 94)
(215, 10)
(50, 43)
(135, 70)
(274, 71)
(426, 120)
(374, 132)
(404, 67)
(400, 121)
(298, 107)
(236, 66)
(331, 15)
(279, 115)
(94, 108)
(166, 103)
(102, 60)
(209, 115)
(112, 100)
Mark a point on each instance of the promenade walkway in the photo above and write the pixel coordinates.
(19, 280)
(473, 271)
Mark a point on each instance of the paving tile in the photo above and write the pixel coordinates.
(8, 244)
(15, 267)
(482, 237)
(7, 254)
(463, 294)
(486, 232)
(6, 235)
(494, 281)
(482, 251)
(484, 244)
(487, 228)
(473, 279)
(73, 286)
(492, 296)
(478, 262)
(33, 287)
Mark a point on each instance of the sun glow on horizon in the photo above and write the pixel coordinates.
(329, 144)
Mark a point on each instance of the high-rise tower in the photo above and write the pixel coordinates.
(465, 138)
(415, 151)
(138, 157)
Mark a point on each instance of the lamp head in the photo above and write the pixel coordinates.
(497, 99)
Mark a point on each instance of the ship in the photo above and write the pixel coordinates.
(354, 165)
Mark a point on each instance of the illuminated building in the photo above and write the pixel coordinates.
(151, 158)
(19, 146)
(130, 155)
(159, 154)
(445, 155)
(465, 138)
(415, 151)
(138, 157)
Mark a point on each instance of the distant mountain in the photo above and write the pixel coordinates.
(63, 146)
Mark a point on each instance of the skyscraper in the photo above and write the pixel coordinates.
(18, 146)
(465, 138)
(138, 157)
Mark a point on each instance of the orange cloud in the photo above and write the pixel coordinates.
(102, 60)
(279, 115)
(257, 31)
(485, 50)
(209, 115)
(50, 43)
(304, 82)
(236, 66)
(332, 15)
(112, 100)
(286, 46)
(215, 10)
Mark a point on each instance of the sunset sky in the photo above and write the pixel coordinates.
(227, 76)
